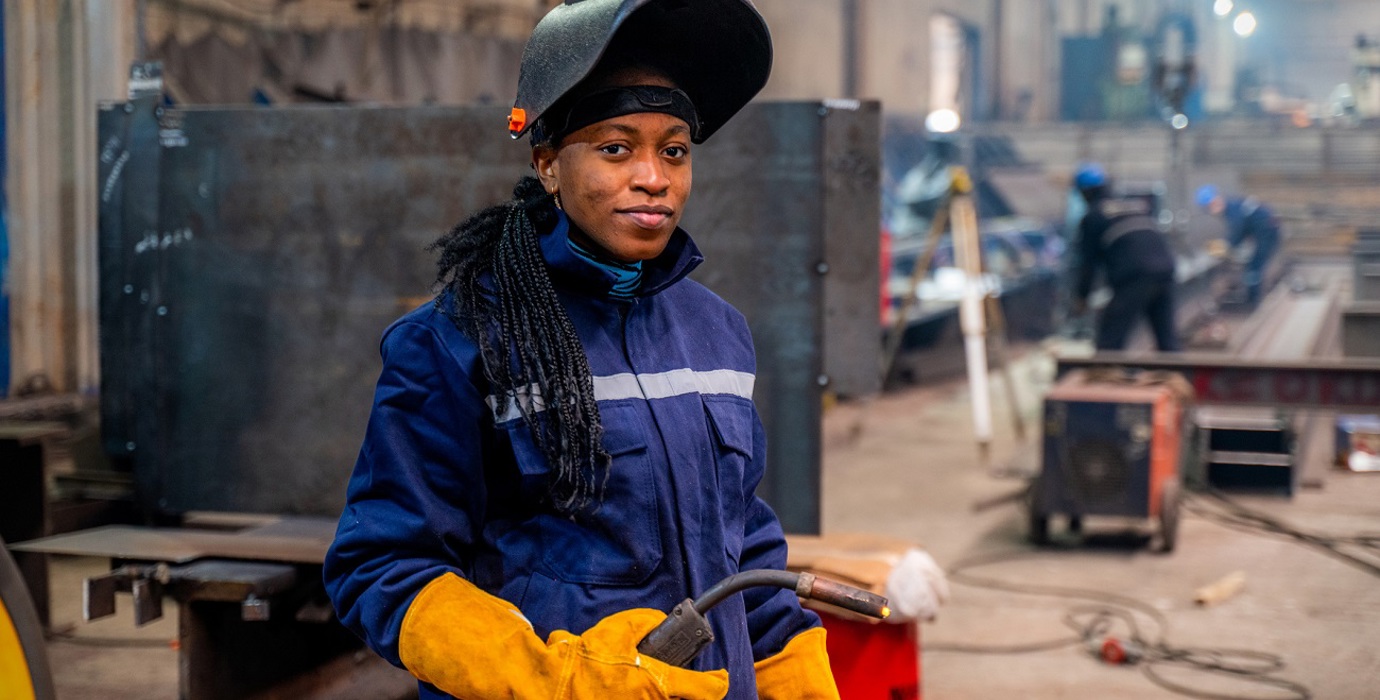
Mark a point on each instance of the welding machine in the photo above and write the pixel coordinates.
(1113, 443)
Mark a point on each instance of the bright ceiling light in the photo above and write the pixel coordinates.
(1222, 8)
(943, 121)
(1244, 24)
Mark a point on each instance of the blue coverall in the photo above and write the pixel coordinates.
(1249, 218)
(446, 484)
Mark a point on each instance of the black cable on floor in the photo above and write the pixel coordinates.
(1230, 513)
(1115, 613)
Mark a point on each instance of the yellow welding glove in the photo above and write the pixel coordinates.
(799, 672)
(475, 646)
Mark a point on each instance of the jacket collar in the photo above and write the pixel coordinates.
(680, 257)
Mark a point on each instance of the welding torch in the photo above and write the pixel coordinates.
(685, 632)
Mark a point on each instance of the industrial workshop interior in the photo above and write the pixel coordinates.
(378, 349)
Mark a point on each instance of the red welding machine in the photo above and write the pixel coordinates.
(1113, 442)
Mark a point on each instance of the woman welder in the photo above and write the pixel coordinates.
(564, 445)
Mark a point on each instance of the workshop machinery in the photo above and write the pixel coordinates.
(1113, 443)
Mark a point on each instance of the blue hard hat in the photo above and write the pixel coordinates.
(1205, 195)
(1089, 175)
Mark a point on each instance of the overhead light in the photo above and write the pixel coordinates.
(943, 121)
(1179, 121)
(1244, 24)
(1222, 8)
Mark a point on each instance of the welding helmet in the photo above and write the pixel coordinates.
(1089, 175)
(717, 52)
(1205, 195)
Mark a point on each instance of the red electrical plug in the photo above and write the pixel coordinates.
(1116, 651)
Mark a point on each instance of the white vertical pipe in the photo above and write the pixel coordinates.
(968, 255)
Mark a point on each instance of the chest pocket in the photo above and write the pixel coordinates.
(732, 421)
(618, 544)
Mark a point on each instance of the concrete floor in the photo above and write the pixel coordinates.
(913, 471)
(905, 464)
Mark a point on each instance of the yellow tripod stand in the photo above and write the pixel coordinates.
(980, 314)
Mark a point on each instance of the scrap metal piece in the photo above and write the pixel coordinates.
(254, 609)
(250, 584)
(98, 596)
(148, 600)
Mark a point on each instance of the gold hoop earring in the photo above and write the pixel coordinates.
(557, 196)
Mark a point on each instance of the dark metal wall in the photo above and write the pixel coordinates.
(250, 259)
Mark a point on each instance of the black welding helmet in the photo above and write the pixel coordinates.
(717, 51)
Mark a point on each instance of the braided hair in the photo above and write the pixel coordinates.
(501, 296)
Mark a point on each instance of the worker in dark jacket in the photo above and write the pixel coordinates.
(564, 445)
(1121, 237)
(1247, 219)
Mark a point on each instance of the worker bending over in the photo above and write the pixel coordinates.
(1121, 237)
(564, 446)
(1247, 219)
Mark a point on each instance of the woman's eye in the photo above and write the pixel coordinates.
(614, 149)
(676, 152)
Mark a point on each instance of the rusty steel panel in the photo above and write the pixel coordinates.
(243, 302)
(252, 262)
(852, 247)
(785, 195)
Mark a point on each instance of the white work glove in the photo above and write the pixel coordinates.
(916, 587)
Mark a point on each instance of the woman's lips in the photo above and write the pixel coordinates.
(648, 217)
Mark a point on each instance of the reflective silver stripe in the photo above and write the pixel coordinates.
(531, 394)
(663, 385)
(659, 385)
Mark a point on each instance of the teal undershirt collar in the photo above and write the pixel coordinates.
(627, 276)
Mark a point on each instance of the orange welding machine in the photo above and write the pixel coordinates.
(1113, 444)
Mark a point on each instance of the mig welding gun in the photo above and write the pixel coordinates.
(686, 632)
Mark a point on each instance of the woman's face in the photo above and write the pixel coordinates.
(622, 181)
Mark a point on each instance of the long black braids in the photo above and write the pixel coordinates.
(501, 296)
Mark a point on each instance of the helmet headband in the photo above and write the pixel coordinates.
(617, 102)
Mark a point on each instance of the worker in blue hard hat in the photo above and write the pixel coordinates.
(1121, 238)
(1246, 219)
(1072, 321)
(563, 445)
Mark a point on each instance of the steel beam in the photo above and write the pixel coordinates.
(1344, 385)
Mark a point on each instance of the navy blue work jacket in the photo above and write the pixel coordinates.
(1247, 217)
(443, 484)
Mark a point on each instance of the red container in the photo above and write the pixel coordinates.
(874, 661)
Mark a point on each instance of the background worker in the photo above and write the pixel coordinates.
(563, 446)
(1246, 218)
(1121, 237)
(1072, 322)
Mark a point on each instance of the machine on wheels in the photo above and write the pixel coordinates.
(1113, 443)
